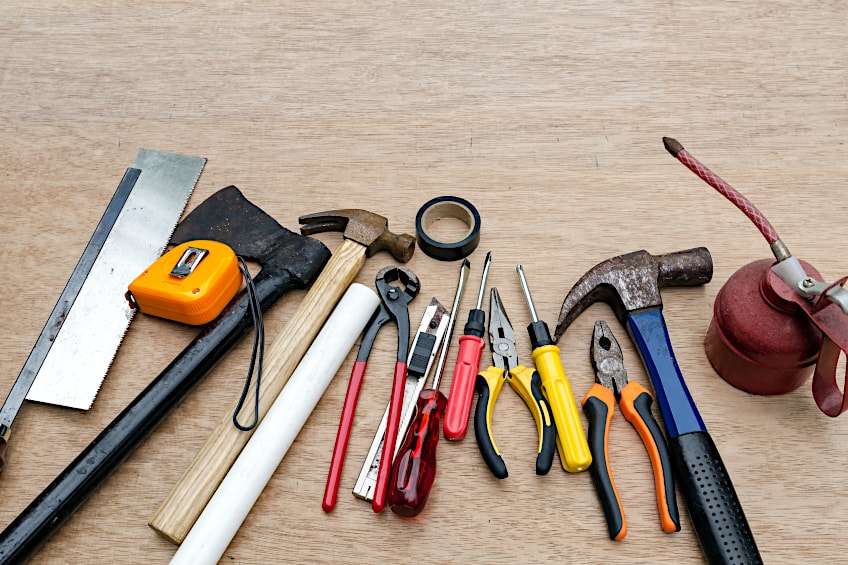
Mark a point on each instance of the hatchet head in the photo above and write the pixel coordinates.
(230, 218)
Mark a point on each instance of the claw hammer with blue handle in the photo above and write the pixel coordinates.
(631, 285)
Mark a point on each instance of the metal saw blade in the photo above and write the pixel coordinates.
(92, 329)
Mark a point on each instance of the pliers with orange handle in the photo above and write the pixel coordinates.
(635, 402)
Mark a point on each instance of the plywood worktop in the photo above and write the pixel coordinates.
(548, 117)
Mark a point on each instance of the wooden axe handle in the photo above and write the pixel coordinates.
(189, 496)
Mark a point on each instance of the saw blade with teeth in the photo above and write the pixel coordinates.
(77, 345)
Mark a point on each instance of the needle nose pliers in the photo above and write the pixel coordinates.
(523, 380)
(635, 401)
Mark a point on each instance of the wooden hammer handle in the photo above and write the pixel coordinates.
(189, 496)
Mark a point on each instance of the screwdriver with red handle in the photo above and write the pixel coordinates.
(414, 466)
(471, 346)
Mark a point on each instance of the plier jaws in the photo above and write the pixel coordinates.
(501, 335)
(607, 359)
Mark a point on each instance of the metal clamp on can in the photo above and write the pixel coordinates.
(444, 207)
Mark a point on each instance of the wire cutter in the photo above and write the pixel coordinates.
(393, 307)
(635, 402)
(523, 380)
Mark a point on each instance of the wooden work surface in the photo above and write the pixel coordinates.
(548, 117)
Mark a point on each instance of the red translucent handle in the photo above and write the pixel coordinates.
(345, 424)
(414, 469)
(462, 386)
(392, 425)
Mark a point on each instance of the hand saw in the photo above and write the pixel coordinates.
(70, 358)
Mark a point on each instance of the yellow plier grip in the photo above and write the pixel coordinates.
(527, 383)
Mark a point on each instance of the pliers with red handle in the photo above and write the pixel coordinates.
(635, 402)
(395, 299)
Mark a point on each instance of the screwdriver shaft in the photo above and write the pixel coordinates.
(483, 280)
(526, 291)
(443, 355)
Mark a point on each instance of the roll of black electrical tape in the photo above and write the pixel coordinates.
(448, 207)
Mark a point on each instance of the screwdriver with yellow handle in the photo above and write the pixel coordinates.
(573, 448)
(635, 402)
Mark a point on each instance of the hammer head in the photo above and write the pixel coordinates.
(230, 218)
(633, 281)
(363, 227)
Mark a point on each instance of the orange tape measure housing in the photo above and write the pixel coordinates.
(192, 283)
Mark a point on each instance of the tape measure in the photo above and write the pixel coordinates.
(192, 283)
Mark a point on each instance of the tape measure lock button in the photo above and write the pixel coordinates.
(441, 208)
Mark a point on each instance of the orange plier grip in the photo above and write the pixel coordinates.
(635, 403)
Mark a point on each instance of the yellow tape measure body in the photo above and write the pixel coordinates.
(192, 283)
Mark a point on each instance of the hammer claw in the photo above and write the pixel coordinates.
(363, 227)
(310, 227)
(632, 282)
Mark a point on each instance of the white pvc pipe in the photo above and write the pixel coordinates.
(220, 520)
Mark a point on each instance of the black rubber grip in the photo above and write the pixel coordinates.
(598, 411)
(545, 458)
(717, 515)
(481, 431)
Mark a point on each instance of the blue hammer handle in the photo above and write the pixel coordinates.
(717, 515)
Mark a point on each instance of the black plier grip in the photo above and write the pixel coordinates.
(528, 384)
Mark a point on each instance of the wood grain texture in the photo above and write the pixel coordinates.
(548, 117)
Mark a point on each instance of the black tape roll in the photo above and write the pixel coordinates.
(448, 207)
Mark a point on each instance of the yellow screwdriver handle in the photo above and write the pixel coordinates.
(574, 449)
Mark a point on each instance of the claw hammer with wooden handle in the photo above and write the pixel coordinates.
(365, 233)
